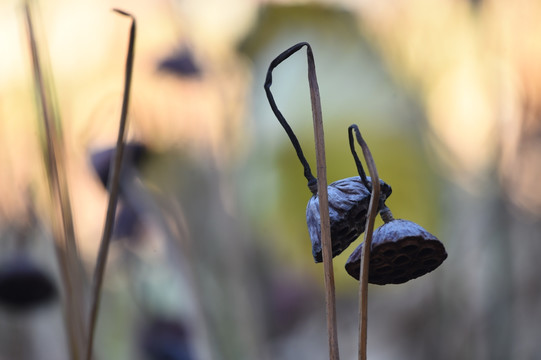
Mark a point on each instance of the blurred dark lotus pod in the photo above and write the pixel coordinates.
(348, 206)
(181, 63)
(23, 286)
(101, 160)
(401, 251)
(166, 339)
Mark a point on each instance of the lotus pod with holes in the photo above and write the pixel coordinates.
(401, 251)
(348, 206)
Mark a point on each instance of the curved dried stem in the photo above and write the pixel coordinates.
(114, 177)
(312, 181)
(318, 185)
(358, 163)
(365, 261)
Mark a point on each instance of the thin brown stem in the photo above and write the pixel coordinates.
(114, 177)
(63, 229)
(365, 261)
(330, 299)
(317, 186)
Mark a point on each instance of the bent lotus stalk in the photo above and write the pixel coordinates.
(114, 177)
(396, 252)
(316, 186)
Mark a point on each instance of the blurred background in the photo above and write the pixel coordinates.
(211, 257)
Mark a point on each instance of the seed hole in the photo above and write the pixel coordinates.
(389, 252)
(409, 248)
(426, 251)
(401, 260)
(383, 269)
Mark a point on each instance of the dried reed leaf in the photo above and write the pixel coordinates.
(114, 177)
(63, 228)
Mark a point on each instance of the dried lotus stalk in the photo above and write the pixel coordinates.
(316, 186)
(401, 251)
(348, 205)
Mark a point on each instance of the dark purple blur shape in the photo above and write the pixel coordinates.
(127, 222)
(23, 286)
(101, 160)
(166, 339)
(181, 63)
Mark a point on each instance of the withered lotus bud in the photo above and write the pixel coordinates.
(348, 205)
(23, 286)
(401, 251)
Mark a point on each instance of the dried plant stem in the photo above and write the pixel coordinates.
(114, 176)
(317, 186)
(63, 229)
(365, 261)
(330, 299)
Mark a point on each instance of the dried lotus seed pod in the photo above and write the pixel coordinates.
(348, 198)
(401, 251)
(23, 286)
(348, 205)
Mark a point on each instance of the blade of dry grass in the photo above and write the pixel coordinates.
(63, 229)
(365, 261)
(114, 176)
